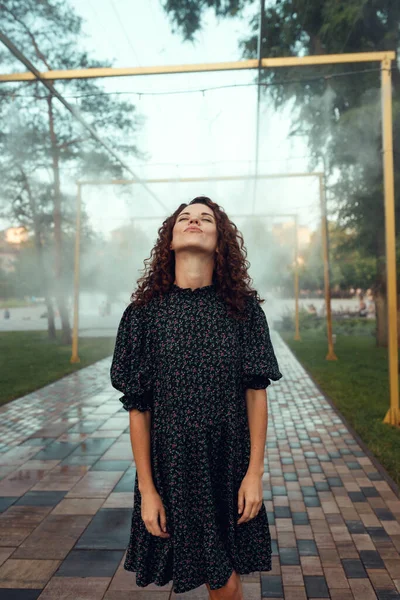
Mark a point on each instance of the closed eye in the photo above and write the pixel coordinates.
(183, 218)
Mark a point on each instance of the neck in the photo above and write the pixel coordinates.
(193, 270)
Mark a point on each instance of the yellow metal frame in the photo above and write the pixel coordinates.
(240, 65)
(385, 59)
(331, 354)
(75, 329)
(393, 415)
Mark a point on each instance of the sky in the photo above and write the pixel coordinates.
(200, 133)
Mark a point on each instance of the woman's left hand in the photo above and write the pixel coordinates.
(250, 497)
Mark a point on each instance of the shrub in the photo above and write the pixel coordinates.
(340, 326)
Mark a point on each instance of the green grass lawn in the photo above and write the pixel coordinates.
(358, 385)
(30, 361)
(15, 303)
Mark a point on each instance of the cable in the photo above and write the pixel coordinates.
(128, 39)
(259, 70)
(103, 28)
(124, 31)
(208, 89)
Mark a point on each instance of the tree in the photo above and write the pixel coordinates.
(338, 114)
(349, 266)
(48, 33)
(112, 265)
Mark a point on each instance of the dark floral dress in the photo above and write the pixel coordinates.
(187, 361)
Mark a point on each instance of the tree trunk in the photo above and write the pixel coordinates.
(382, 338)
(381, 318)
(60, 283)
(51, 327)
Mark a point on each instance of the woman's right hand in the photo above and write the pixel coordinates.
(151, 509)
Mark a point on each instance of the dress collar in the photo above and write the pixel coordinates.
(199, 290)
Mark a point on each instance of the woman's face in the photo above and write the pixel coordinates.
(195, 229)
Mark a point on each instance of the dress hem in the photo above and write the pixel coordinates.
(188, 589)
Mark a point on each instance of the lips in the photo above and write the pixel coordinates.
(193, 229)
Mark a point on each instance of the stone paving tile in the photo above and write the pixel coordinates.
(84, 588)
(90, 563)
(54, 537)
(66, 485)
(23, 573)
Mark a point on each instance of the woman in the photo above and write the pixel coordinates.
(193, 358)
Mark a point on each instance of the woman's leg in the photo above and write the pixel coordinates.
(232, 590)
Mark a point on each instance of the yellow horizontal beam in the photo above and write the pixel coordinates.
(288, 61)
(197, 179)
(327, 59)
(133, 71)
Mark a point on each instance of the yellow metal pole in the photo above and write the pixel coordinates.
(393, 415)
(296, 277)
(324, 231)
(75, 330)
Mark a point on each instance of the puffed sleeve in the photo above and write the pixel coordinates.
(259, 363)
(131, 364)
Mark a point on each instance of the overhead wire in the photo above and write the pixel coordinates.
(105, 32)
(204, 89)
(259, 71)
(122, 26)
(127, 37)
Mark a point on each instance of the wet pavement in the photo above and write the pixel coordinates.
(66, 493)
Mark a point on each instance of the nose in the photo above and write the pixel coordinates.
(194, 219)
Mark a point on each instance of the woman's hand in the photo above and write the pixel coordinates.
(250, 497)
(151, 509)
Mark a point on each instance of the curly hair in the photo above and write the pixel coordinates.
(230, 276)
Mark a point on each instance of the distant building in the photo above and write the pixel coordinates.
(16, 235)
(10, 244)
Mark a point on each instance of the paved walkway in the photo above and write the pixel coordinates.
(66, 498)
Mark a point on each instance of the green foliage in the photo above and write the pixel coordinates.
(43, 149)
(187, 15)
(337, 108)
(307, 321)
(311, 323)
(339, 115)
(49, 34)
(350, 264)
